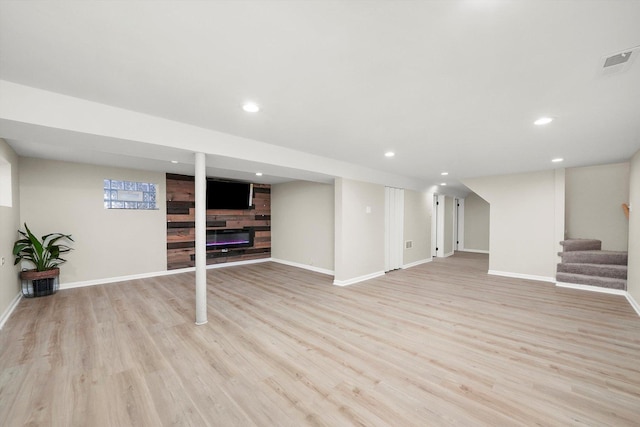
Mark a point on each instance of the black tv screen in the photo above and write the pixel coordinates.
(228, 195)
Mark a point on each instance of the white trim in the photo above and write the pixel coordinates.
(108, 280)
(12, 306)
(633, 302)
(522, 276)
(475, 251)
(415, 263)
(117, 279)
(591, 288)
(358, 279)
(448, 255)
(304, 266)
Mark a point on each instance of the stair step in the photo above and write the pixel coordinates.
(615, 271)
(581, 245)
(595, 257)
(602, 282)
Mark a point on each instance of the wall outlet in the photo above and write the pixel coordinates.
(2, 261)
(408, 244)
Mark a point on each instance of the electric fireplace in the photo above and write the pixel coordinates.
(235, 238)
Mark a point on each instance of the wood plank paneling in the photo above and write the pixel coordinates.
(181, 224)
(192, 224)
(179, 207)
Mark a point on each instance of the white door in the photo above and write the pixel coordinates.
(459, 225)
(394, 228)
(434, 227)
(437, 226)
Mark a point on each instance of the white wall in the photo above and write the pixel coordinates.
(68, 198)
(302, 223)
(476, 223)
(523, 237)
(593, 197)
(633, 278)
(9, 224)
(417, 226)
(359, 226)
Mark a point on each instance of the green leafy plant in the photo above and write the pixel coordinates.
(43, 253)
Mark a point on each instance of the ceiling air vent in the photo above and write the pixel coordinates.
(620, 58)
(619, 62)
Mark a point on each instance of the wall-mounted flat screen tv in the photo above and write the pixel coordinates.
(228, 195)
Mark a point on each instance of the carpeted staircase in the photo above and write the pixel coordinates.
(584, 263)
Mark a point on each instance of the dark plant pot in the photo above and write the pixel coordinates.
(39, 283)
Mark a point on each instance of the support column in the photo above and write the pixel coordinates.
(201, 239)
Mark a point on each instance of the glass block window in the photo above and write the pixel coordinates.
(129, 194)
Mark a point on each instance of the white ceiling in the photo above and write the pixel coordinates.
(448, 85)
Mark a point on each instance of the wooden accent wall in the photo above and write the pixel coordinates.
(181, 224)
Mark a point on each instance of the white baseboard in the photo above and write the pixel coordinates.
(415, 263)
(358, 279)
(7, 313)
(304, 266)
(117, 279)
(591, 288)
(475, 251)
(633, 302)
(108, 280)
(448, 255)
(522, 276)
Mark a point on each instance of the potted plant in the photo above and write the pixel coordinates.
(44, 254)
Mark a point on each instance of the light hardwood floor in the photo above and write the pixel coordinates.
(438, 344)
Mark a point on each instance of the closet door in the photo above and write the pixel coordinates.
(394, 228)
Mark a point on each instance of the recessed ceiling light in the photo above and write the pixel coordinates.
(389, 154)
(543, 121)
(251, 107)
(174, 161)
(443, 183)
(557, 160)
(258, 173)
(444, 173)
